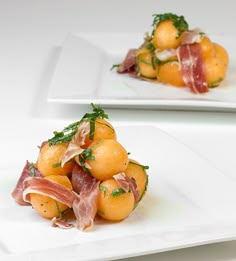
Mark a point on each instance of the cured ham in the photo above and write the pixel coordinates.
(81, 181)
(85, 203)
(55, 222)
(47, 188)
(129, 63)
(75, 145)
(191, 37)
(192, 67)
(85, 207)
(127, 184)
(165, 54)
(27, 171)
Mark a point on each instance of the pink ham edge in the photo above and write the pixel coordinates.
(55, 222)
(85, 207)
(126, 183)
(17, 193)
(47, 188)
(128, 65)
(86, 195)
(192, 63)
(74, 147)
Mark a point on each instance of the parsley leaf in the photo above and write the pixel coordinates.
(68, 132)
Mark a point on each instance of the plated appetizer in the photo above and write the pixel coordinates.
(82, 172)
(175, 55)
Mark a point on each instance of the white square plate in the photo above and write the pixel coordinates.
(83, 75)
(188, 203)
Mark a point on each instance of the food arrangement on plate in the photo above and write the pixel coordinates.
(175, 55)
(81, 173)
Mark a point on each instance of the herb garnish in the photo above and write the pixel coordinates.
(60, 212)
(178, 21)
(65, 135)
(68, 132)
(98, 112)
(114, 66)
(140, 165)
(117, 192)
(215, 83)
(104, 189)
(85, 155)
(151, 47)
(32, 169)
(56, 165)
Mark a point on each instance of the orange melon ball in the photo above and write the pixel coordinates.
(221, 53)
(145, 66)
(48, 207)
(207, 47)
(103, 130)
(138, 173)
(113, 203)
(166, 35)
(215, 70)
(110, 158)
(170, 73)
(49, 160)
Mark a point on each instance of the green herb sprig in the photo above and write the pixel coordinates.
(117, 192)
(32, 169)
(97, 113)
(85, 155)
(68, 132)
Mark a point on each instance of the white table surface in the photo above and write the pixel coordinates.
(31, 34)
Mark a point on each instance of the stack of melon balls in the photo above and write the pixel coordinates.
(169, 32)
(107, 158)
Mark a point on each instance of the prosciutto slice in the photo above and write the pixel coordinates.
(126, 183)
(17, 193)
(192, 67)
(85, 203)
(128, 65)
(75, 145)
(47, 188)
(60, 223)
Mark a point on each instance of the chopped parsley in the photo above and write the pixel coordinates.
(104, 189)
(68, 132)
(32, 169)
(215, 83)
(85, 155)
(114, 66)
(117, 192)
(140, 165)
(56, 165)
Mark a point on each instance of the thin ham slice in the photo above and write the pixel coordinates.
(75, 145)
(48, 188)
(85, 203)
(127, 184)
(55, 222)
(81, 181)
(85, 207)
(192, 67)
(128, 65)
(17, 193)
